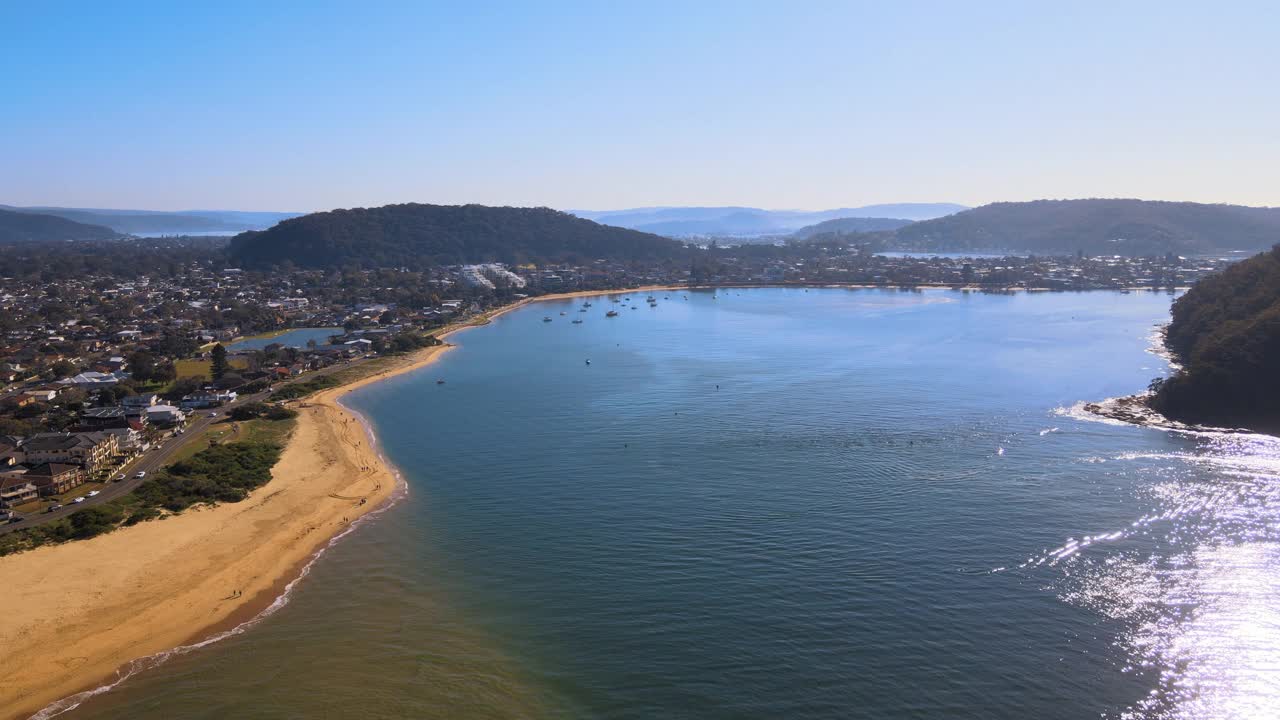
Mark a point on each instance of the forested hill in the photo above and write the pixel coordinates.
(21, 227)
(843, 226)
(418, 236)
(1226, 332)
(1097, 227)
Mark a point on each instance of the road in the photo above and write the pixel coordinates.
(157, 457)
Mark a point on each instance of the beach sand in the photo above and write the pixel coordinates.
(72, 614)
(76, 617)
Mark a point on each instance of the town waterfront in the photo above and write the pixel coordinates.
(779, 503)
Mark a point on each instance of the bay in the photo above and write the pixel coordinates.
(779, 503)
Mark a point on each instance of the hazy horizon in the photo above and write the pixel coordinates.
(576, 106)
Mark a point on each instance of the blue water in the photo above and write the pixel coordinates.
(780, 503)
(297, 338)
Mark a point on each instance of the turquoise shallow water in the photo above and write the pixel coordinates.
(780, 503)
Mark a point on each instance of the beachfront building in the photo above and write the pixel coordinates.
(55, 478)
(165, 415)
(90, 450)
(207, 399)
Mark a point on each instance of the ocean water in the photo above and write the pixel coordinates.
(779, 503)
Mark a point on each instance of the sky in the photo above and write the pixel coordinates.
(598, 105)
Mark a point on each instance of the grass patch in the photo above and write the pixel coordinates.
(192, 367)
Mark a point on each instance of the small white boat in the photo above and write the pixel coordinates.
(546, 318)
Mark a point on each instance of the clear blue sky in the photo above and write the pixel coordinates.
(314, 105)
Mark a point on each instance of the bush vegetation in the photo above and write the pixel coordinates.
(303, 388)
(221, 473)
(1226, 333)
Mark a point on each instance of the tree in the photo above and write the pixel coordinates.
(218, 368)
(61, 369)
(185, 386)
(142, 366)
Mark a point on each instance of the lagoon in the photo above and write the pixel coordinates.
(297, 337)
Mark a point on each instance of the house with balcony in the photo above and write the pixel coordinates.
(90, 450)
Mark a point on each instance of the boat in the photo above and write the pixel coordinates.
(577, 322)
(563, 313)
(586, 304)
(582, 309)
(440, 381)
(546, 318)
(611, 313)
(588, 361)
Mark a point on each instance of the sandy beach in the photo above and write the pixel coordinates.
(78, 617)
(73, 614)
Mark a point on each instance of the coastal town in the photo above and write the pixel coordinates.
(99, 373)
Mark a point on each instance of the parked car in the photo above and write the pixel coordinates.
(16, 518)
(140, 474)
(78, 500)
(92, 493)
(120, 477)
(54, 507)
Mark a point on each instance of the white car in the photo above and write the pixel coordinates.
(140, 474)
(92, 493)
(78, 500)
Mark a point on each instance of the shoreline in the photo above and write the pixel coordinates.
(99, 611)
(96, 612)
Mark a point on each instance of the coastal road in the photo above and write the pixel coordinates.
(159, 455)
(150, 461)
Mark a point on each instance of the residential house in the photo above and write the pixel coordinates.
(128, 438)
(55, 478)
(93, 379)
(16, 490)
(103, 417)
(41, 395)
(144, 400)
(91, 450)
(207, 399)
(165, 415)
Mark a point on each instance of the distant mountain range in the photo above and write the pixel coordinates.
(420, 236)
(22, 227)
(751, 222)
(1096, 227)
(159, 222)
